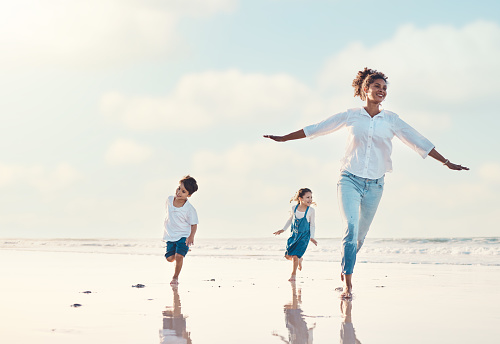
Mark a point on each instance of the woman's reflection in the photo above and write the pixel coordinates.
(174, 323)
(347, 334)
(298, 332)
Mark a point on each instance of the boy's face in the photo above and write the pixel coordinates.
(181, 193)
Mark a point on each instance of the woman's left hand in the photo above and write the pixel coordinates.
(455, 167)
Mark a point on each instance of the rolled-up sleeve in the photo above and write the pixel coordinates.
(329, 125)
(412, 138)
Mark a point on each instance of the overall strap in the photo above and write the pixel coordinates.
(295, 210)
(306, 212)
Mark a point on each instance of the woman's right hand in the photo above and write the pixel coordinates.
(299, 134)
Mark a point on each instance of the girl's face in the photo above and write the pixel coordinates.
(181, 193)
(377, 91)
(306, 199)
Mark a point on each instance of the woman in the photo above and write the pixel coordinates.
(367, 159)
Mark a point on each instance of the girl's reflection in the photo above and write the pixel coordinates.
(298, 332)
(174, 323)
(347, 334)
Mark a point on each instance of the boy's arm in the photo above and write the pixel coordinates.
(190, 239)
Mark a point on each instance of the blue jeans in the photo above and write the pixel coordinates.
(358, 201)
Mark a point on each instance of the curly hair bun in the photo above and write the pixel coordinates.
(363, 79)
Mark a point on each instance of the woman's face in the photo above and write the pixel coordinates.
(377, 91)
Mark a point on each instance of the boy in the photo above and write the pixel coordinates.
(180, 224)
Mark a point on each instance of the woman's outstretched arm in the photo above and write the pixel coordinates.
(434, 153)
(299, 134)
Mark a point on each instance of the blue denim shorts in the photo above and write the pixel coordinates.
(178, 246)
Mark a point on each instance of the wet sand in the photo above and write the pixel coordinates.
(223, 300)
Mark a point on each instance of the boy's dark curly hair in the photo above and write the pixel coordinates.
(364, 79)
(189, 184)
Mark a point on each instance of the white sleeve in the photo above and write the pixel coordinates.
(289, 221)
(327, 126)
(412, 138)
(312, 221)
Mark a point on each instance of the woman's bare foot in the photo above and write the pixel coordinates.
(292, 278)
(174, 282)
(300, 263)
(347, 290)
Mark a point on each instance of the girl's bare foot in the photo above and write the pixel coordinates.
(300, 264)
(174, 281)
(346, 293)
(292, 278)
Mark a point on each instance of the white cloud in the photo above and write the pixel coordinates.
(93, 32)
(439, 61)
(124, 151)
(211, 98)
(40, 177)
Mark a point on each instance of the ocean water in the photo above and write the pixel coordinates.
(453, 251)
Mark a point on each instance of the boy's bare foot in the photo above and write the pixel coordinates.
(174, 281)
(292, 278)
(300, 264)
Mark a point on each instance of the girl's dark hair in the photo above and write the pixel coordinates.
(364, 79)
(300, 194)
(189, 183)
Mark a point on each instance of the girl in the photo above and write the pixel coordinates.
(302, 221)
(367, 159)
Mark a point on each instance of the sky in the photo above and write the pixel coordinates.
(107, 104)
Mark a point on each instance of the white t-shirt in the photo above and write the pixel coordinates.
(300, 214)
(179, 220)
(369, 143)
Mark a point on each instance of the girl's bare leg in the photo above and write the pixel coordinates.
(300, 263)
(295, 261)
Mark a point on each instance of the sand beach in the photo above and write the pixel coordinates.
(234, 300)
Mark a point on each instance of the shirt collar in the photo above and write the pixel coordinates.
(380, 114)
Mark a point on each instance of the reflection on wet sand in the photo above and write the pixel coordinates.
(298, 332)
(347, 333)
(174, 323)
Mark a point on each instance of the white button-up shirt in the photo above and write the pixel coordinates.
(369, 145)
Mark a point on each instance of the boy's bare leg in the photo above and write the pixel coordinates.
(171, 258)
(179, 259)
(295, 261)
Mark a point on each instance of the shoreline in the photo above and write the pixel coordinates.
(470, 251)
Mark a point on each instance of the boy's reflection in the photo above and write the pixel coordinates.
(174, 323)
(347, 334)
(298, 332)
